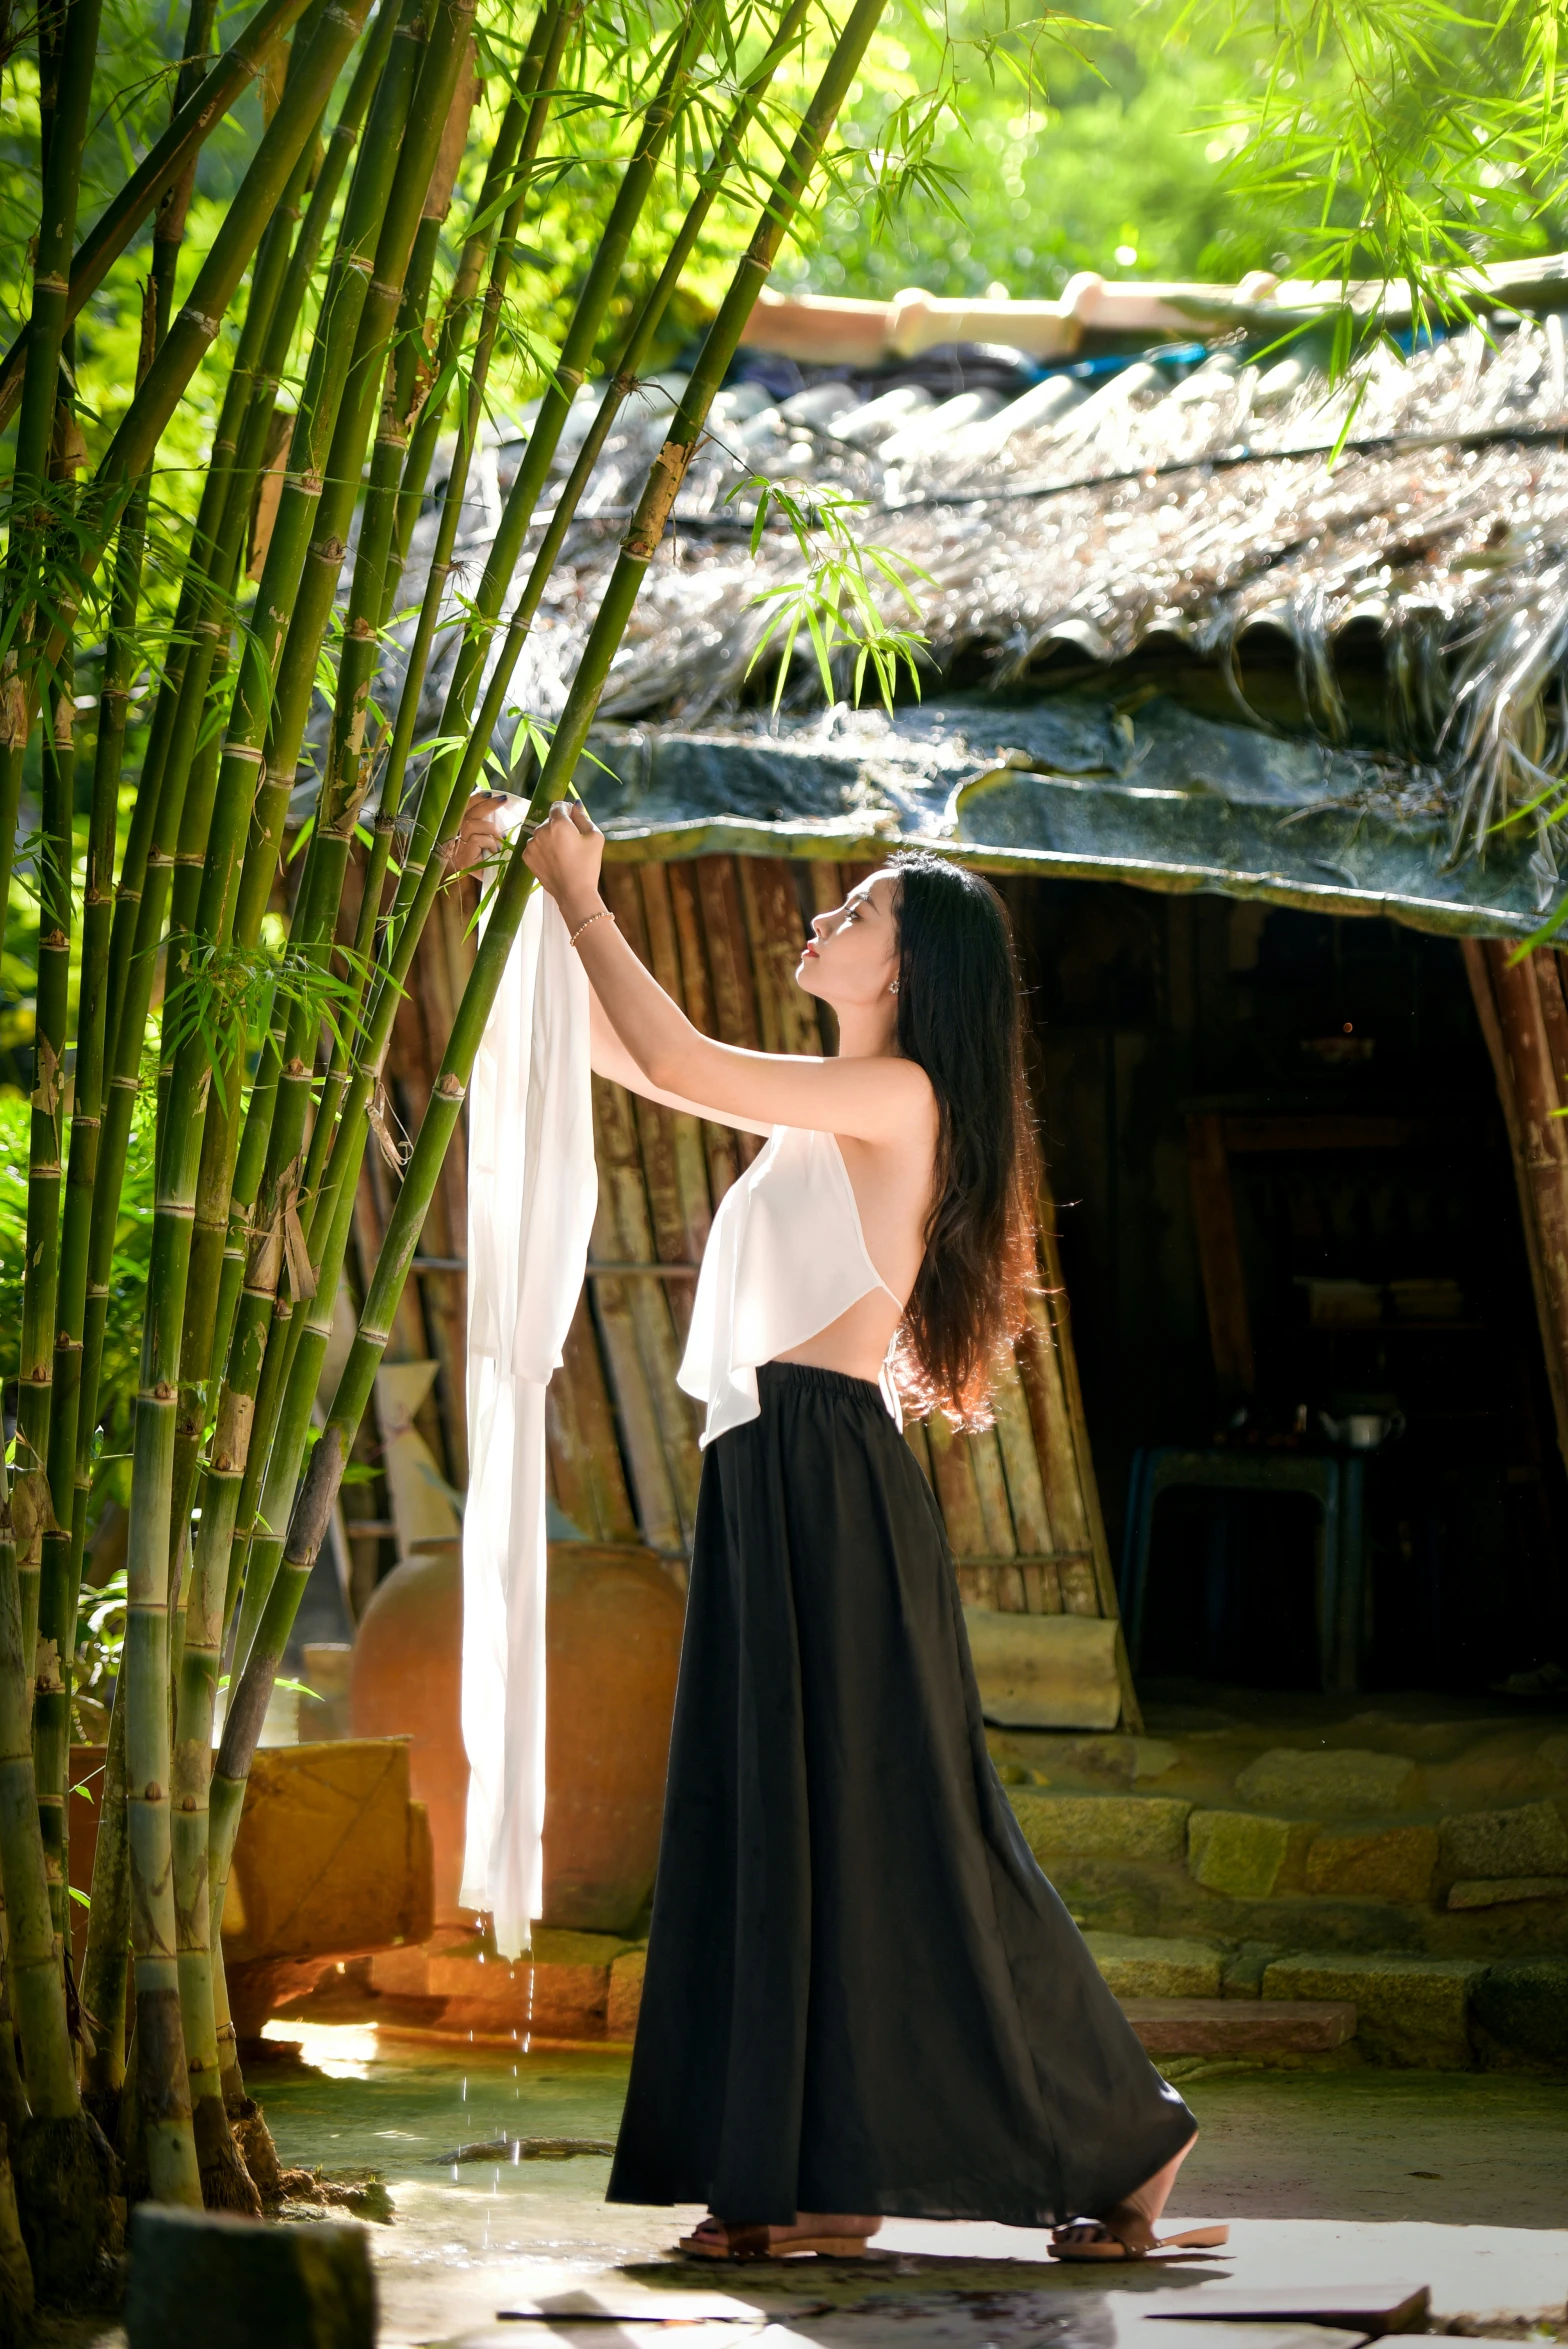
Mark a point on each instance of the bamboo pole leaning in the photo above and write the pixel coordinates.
(261, 1358)
(323, 1476)
(195, 118)
(414, 158)
(446, 783)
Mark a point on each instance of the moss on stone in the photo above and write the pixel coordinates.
(1103, 1826)
(1138, 1968)
(1411, 2010)
(1236, 1852)
(1528, 1841)
(1332, 1782)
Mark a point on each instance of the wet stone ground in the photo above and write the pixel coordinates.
(1349, 2178)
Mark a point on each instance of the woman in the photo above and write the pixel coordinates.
(862, 1998)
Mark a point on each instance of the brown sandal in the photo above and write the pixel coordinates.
(755, 2243)
(1191, 2244)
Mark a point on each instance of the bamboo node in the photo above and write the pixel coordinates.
(47, 1678)
(451, 1087)
(204, 326)
(152, 1792)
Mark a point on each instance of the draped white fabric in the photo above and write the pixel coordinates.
(532, 1190)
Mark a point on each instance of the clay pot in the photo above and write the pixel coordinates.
(613, 1634)
(613, 1645)
(406, 1681)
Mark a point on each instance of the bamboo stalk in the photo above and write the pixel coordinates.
(422, 871)
(286, 1081)
(28, 582)
(186, 344)
(263, 378)
(108, 1939)
(278, 285)
(164, 2087)
(61, 1545)
(368, 323)
(224, 2180)
(540, 69)
(163, 163)
(149, 856)
(536, 86)
(162, 2083)
(313, 1505)
(287, 1070)
(452, 774)
(623, 381)
(63, 2186)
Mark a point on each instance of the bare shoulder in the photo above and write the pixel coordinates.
(907, 1115)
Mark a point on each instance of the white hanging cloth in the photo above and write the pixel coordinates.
(532, 1191)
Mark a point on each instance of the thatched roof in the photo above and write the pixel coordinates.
(1391, 628)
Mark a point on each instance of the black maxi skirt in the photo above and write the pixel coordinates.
(862, 1995)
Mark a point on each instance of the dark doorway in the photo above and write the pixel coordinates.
(1286, 1205)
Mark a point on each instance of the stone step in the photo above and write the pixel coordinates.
(1241, 2026)
(576, 1987)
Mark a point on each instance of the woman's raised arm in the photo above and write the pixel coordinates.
(871, 1098)
(611, 1059)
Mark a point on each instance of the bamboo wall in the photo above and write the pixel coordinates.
(722, 934)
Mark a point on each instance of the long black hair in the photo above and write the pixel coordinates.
(960, 1016)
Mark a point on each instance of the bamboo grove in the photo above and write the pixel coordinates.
(335, 273)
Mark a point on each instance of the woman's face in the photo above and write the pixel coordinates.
(852, 954)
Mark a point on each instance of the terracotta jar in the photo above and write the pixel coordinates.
(613, 1634)
(406, 1681)
(613, 1644)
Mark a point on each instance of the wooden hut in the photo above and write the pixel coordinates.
(1264, 750)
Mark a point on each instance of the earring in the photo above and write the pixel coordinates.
(893, 989)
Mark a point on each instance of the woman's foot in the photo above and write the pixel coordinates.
(1125, 2233)
(833, 2233)
(1126, 2230)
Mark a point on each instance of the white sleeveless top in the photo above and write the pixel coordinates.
(786, 1256)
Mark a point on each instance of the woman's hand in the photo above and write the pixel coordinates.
(564, 856)
(480, 835)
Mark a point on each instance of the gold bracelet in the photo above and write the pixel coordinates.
(603, 915)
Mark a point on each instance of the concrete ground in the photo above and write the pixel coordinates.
(1333, 2178)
